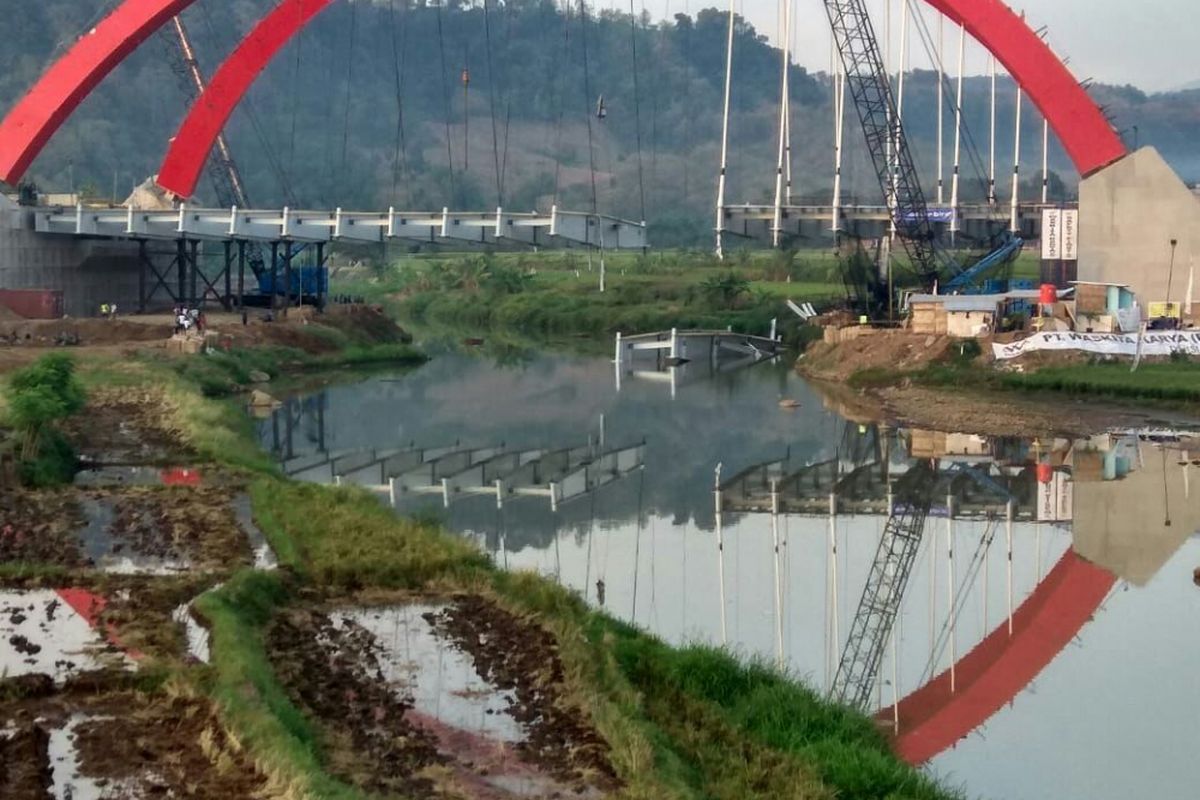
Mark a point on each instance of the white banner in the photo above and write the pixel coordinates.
(1051, 234)
(1070, 235)
(1115, 344)
(1056, 499)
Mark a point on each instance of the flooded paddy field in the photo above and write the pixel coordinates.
(1041, 616)
(427, 697)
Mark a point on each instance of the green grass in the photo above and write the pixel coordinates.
(1178, 382)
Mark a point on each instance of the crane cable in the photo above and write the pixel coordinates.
(637, 109)
(561, 72)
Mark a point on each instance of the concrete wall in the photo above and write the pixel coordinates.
(87, 272)
(1128, 215)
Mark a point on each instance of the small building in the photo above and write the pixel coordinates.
(1102, 307)
(961, 316)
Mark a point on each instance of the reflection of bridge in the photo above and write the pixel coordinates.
(1107, 475)
(449, 471)
(679, 357)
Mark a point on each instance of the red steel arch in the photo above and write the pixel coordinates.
(30, 124)
(1077, 121)
(191, 146)
(934, 718)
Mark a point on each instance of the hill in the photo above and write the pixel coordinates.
(367, 109)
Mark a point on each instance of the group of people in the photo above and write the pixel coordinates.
(108, 310)
(189, 319)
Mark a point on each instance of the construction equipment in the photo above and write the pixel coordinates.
(870, 87)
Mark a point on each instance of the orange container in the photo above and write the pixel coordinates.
(1049, 294)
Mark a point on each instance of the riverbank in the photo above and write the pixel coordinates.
(939, 382)
(611, 711)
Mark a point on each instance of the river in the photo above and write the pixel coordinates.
(1028, 632)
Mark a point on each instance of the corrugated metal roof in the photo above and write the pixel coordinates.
(966, 302)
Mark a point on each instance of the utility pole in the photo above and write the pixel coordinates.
(466, 84)
(1170, 275)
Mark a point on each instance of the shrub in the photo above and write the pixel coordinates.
(38, 397)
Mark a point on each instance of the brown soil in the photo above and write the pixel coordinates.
(370, 742)
(126, 426)
(40, 527)
(134, 745)
(178, 523)
(512, 653)
(25, 772)
(892, 350)
(1000, 416)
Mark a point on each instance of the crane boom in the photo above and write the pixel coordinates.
(884, 590)
(870, 87)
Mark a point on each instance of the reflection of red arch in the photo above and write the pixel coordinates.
(189, 149)
(933, 718)
(28, 126)
(1081, 127)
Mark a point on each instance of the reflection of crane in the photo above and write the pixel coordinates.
(226, 179)
(870, 86)
(884, 590)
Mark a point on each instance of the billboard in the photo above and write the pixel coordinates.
(1060, 234)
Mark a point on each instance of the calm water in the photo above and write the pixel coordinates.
(1044, 639)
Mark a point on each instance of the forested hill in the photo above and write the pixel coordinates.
(368, 109)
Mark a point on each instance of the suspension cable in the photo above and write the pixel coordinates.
(349, 86)
(446, 100)
(587, 91)
(487, 38)
(637, 108)
(400, 74)
(565, 56)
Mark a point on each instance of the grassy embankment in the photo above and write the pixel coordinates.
(556, 294)
(692, 722)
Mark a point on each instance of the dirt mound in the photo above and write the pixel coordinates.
(8, 315)
(890, 350)
(50, 332)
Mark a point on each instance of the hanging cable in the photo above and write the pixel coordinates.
(487, 38)
(400, 73)
(446, 101)
(349, 86)
(566, 46)
(587, 92)
(637, 110)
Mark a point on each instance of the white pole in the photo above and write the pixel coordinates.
(950, 592)
(839, 115)
(778, 583)
(720, 554)
(1008, 534)
(720, 251)
(992, 136)
(1014, 202)
(958, 112)
(941, 101)
(1045, 161)
(777, 224)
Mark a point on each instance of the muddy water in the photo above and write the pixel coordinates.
(1043, 640)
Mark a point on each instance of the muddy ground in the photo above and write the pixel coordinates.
(126, 426)
(378, 742)
(125, 743)
(41, 527)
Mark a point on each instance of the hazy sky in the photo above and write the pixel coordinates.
(1153, 44)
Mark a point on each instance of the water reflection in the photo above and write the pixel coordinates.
(1028, 602)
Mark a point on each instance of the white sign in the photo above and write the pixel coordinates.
(1056, 499)
(1070, 235)
(1113, 344)
(1051, 234)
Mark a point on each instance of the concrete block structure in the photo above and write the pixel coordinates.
(1129, 214)
(88, 272)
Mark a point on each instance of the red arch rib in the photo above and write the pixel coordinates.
(1078, 122)
(189, 150)
(933, 718)
(31, 123)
